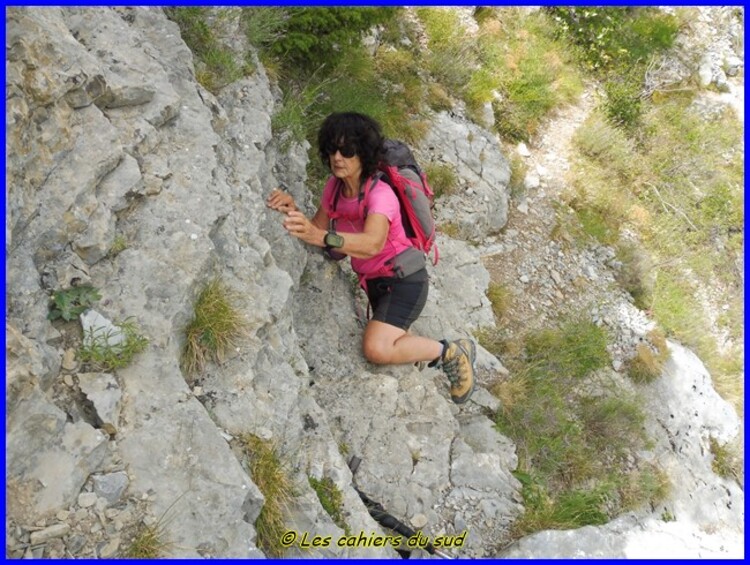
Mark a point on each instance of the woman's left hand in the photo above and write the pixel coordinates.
(297, 224)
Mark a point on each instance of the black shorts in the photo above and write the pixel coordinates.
(398, 302)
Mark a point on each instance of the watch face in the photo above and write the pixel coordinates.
(334, 240)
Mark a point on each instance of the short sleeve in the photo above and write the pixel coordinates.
(382, 200)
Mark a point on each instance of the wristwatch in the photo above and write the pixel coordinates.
(333, 240)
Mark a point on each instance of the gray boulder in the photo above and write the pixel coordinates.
(480, 206)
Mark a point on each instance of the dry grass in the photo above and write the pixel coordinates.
(273, 481)
(216, 328)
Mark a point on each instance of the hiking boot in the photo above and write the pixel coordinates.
(458, 365)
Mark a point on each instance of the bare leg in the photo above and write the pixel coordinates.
(386, 344)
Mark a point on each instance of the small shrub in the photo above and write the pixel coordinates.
(312, 36)
(293, 120)
(616, 37)
(107, 351)
(218, 67)
(442, 178)
(533, 72)
(264, 26)
(573, 448)
(216, 327)
(623, 105)
(511, 392)
(608, 145)
(272, 480)
(617, 44)
(331, 500)
(70, 303)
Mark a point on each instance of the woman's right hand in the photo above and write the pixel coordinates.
(281, 201)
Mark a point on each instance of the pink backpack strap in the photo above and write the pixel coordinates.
(331, 189)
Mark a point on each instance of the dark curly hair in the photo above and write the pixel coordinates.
(361, 132)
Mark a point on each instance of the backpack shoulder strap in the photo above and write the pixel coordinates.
(331, 193)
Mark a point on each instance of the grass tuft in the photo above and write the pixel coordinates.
(273, 481)
(150, 540)
(217, 326)
(331, 499)
(216, 65)
(148, 543)
(649, 359)
(442, 178)
(501, 299)
(725, 462)
(574, 349)
(107, 351)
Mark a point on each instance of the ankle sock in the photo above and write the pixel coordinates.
(437, 360)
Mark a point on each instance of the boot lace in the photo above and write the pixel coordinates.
(453, 371)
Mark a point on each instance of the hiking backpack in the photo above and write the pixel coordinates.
(399, 170)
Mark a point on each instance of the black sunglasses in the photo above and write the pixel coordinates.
(347, 150)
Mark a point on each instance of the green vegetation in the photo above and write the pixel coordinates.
(649, 359)
(312, 35)
(442, 178)
(268, 473)
(70, 303)
(331, 500)
(575, 431)
(518, 170)
(535, 72)
(617, 44)
(725, 462)
(500, 298)
(513, 62)
(115, 349)
(450, 229)
(677, 182)
(148, 543)
(216, 64)
(216, 327)
(119, 245)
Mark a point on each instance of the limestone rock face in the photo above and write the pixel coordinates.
(124, 173)
(480, 206)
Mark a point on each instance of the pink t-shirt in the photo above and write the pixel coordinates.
(380, 200)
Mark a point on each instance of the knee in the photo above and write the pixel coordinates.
(375, 352)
